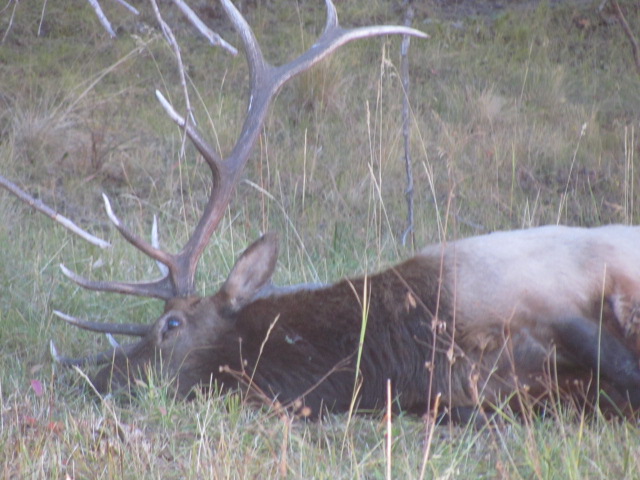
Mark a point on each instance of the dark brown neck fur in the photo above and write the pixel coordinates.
(312, 340)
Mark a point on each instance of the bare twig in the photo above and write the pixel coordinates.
(49, 212)
(44, 6)
(430, 424)
(389, 439)
(406, 127)
(627, 30)
(13, 13)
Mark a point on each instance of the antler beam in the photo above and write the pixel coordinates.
(266, 80)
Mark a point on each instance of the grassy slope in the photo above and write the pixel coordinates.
(498, 142)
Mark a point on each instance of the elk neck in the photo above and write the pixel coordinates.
(307, 342)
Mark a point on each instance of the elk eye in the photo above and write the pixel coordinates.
(172, 323)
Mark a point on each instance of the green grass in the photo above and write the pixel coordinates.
(498, 109)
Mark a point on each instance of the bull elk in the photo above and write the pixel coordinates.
(471, 323)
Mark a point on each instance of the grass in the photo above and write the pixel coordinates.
(521, 119)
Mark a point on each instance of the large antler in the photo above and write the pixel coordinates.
(266, 80)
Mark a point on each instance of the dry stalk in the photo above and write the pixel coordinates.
(406, 128)
(627, 30)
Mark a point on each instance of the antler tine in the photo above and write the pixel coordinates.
(164, 288)
(97, 359)
(161, 288)
(266, 81)
(139, 243)
(212, 157)
(155, 241)
(333, 37)
(214, 38)
(112, 341)
(131, 329)
(49, 212)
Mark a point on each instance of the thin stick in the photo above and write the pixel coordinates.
(49, 212)
(430, 423)
(44, 6)
(627, 30)
(406, 127)
(389, 432)
(13, 13)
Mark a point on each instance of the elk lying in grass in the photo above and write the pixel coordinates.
(465, 324)
(471, 322)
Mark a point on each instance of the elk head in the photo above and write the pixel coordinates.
(191, 326)
(182, 344)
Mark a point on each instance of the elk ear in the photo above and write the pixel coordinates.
(251, 272)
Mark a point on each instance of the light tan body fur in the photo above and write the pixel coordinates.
(510, 288)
